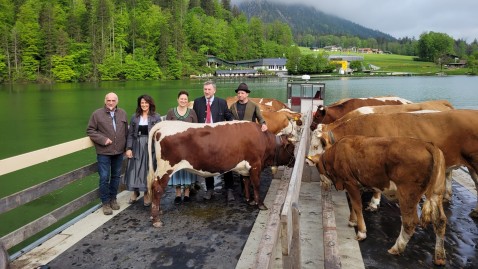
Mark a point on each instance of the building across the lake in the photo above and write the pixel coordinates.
(254, 67)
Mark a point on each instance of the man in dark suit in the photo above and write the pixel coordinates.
(211, 109)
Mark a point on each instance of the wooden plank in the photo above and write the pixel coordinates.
(267, 246)
(293, 259)
(294, 189)
(25, 232)
(331, 246)
(22, 197)
(42, 155)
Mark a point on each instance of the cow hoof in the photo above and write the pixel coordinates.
(474, 214)
(263, 207)
(393, 251)
(158, 224)
(440, 262)
(252, 203)
(371, 208)
(361, 236)
(352, 224)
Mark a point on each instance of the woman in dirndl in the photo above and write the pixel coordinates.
(141, 123)
(182, 179)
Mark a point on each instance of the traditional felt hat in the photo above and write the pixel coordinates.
(243, 87)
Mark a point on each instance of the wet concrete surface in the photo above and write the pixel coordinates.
(461, 238)
(199, 234)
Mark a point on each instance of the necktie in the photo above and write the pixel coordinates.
(113, 118)
(208, 111)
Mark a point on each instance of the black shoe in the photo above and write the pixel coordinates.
(186, 199)
(177, 200)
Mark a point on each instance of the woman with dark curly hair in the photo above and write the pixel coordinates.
(141, 122)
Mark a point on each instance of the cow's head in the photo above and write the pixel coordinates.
(318, 143)
(319, 116)
(325, 178)
(284, 154)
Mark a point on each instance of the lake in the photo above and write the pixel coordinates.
(38, 116)
(45, 115)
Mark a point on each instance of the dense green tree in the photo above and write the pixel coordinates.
(62, 68)
(174, 69)
(473, 64)
(208, 7)
(308, 64)
(293, 60)
(30, 40)
(7, 15)
(434, 47)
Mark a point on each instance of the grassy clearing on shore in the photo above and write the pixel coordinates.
(398, 63)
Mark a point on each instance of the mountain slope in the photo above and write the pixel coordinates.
(307, 20)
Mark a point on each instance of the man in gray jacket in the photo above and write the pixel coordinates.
(108, 129)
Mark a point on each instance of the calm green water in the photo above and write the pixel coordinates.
(38, 116)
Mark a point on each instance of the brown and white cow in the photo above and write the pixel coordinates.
(422, 107)
(283, 121)
(455, 132)
(266, 104)
(210, 150)
(410, 166)
(333, 112)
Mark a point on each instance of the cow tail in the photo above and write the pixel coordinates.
(152, 133)
(432, 209)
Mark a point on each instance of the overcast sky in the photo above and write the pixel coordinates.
(404, 18)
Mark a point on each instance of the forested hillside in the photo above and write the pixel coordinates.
(84, 40)
(305, 20)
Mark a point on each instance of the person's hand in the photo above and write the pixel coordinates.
(264, 127)
(129, 154)
(108, 142)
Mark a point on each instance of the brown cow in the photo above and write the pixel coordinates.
(266, 104)
(455, 132)
(329, 114)
(210, 150)
(409, 166)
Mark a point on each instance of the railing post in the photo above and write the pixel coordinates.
(331, 248)
(4, 257)
(293, 260)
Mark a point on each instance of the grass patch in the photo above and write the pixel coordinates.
(397, 63)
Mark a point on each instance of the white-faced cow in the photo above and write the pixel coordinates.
(333, 112)
(455, 132)
(210, 150)
(409, 166)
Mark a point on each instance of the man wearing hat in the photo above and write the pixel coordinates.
(244, 109)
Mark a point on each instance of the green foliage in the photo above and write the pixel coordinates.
(473, 64)
(84, 40)
(3, 67)
(434, 47)
(62, 68)
(356, 66)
